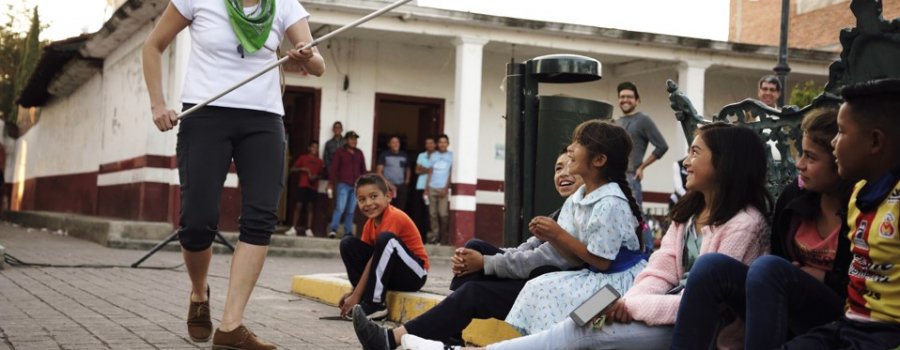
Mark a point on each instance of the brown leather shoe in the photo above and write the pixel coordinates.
(198, 322)
(240, 338)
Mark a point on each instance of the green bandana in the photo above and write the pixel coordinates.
(252, 30)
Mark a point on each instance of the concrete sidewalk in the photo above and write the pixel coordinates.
(125, 308)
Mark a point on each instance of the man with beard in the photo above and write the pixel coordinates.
(642, 131)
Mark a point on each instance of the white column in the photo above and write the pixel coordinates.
(465, 120)
(463, 126)
(692, 81)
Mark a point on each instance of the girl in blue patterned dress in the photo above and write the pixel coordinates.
(599, 227)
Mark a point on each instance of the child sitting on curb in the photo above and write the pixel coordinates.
(389, 255)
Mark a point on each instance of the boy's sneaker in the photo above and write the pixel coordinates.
(309, 233)
(374, 311)
(370, 335)
(332, 234)
(291, 232)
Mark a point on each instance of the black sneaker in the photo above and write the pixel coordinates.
(370, 335)
(374, 311)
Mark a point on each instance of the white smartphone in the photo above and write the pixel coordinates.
(596, 304)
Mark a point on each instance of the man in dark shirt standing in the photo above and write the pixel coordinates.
(347, 165)
(642, 131)
(332, 145)
(392, 164)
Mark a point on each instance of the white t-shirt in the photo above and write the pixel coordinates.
(216, 64)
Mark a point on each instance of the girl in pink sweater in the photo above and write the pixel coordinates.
(722, 212)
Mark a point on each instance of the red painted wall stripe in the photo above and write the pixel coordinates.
(463, 189)
(146, 161)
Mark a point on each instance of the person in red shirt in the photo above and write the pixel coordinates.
(310, 167)
(388, 256)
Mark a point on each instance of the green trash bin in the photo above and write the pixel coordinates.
(558, 116)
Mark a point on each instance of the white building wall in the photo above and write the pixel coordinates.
(65, 140)
(127, 121)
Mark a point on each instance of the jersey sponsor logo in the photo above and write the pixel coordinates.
(888, 228)
(864, 269)
(859, 237)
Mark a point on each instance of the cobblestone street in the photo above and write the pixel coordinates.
(125, 308)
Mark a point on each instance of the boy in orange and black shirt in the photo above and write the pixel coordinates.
(388, 256)
(867, 148)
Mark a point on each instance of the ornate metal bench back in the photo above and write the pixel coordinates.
(870, 51)
(779, 130)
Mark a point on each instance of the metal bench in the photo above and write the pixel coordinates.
(871, 50)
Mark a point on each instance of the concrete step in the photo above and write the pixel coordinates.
(91, 228)
(402, 306)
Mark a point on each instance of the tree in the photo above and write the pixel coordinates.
(10, 52)
(803, 94)
(18, 58)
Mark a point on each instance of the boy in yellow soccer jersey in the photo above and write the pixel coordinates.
(867, 148)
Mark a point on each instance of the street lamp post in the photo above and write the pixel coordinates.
(782, 69)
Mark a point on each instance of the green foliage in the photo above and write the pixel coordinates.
(11, 43)
(19, 54)
(803, 94)
(31, 52)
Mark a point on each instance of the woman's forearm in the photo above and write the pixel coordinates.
(153, 75)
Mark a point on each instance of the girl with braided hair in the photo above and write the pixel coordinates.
(598, 229)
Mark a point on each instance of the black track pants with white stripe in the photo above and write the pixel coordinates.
(394, 266)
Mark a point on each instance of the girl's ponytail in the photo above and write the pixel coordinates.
(635, 209)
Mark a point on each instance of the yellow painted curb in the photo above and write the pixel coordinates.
(403, 306)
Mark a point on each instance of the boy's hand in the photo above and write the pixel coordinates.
(545, 228)
(343, 298)
(466, 261)
(348, 301)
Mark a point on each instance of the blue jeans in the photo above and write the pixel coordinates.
(346, 202)
(772, 295)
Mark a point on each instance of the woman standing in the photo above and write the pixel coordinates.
(230, 40)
